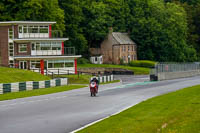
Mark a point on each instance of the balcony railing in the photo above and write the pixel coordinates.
(67, 51)
(54, 34)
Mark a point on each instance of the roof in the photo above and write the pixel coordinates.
(40, 39)
(46, 57)
(122, 38)
(26, 22)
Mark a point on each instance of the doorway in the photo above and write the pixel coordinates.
(23, 64)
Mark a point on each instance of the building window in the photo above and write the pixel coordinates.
(124, 48)
(25, 29)
(60, 63)
(44, 29)
(128, 48)
(69, 64)
(33, 46)
(35, 64)
(132, 48)
(56, 46)
(20, 29)
(11, 49)
(45, 46)
(124, 58)
(35, 29)
(22, 48)
(11, 63)
(10, 33)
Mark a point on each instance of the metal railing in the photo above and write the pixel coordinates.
(175, 67)
(65, 51)
(54, 34)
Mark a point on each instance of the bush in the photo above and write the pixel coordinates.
(83, 61)
(142, 63)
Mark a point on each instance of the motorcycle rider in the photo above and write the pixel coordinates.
(96, 81)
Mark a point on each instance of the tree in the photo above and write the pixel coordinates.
(160, 31)
(192, 8)
(33, 10)
(73, 19)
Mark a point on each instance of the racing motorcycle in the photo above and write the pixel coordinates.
(93, 88)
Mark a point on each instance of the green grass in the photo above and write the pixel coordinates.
(38, 92)
(136, 70)
(10, 75)
(176, 112)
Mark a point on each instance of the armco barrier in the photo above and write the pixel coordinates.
(175, 75)
(104, 79)
(30, 85)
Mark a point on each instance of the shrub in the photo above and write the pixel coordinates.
(83, 61)
(142, 63)
(121, 61)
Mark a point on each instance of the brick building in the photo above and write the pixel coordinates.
(34, 45)
(118, 46)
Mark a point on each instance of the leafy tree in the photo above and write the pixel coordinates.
(160, 31)
(192, 8)
(33, 10)
(96, 22)
(73, 19)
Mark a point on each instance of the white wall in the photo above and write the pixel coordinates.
(99, 60)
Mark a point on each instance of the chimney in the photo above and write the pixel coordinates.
(110, 30)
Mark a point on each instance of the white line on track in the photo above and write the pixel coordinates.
(103, 119)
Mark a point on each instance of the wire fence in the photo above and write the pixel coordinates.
(175, 67)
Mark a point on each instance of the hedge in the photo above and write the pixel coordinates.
(142, 63)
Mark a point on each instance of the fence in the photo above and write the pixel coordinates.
(104, 79)
(31, 85)
(165, 71)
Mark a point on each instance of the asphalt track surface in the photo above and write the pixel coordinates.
(67, 111)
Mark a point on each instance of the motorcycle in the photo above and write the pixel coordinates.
(93, 88)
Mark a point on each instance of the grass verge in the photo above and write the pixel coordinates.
(37, 92)
(176, 112)
(136, 70)
(10, 75)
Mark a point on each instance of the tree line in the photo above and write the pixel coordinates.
(164, 30)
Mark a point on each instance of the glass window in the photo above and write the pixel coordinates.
(35, 64)
(30, 29)
(124, 48)
(59, 65)
(35, 29)
(37, 46)
(50, 65)
(69, 64)
(22, 48)
(44, 29)
(56, 46)
(10, 33)
(45, 46)
(33, 46)
(128, 48)
(20, 29)
(25, 29)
